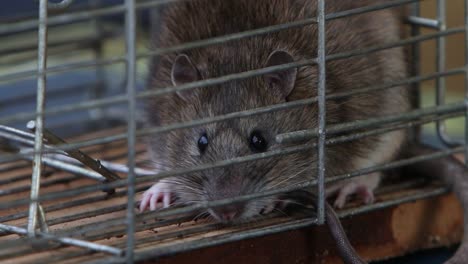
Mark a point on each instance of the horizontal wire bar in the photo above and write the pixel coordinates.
(298, 134)
(303, 102)
(20, 138)
(59, 69)
(82, 215)
(77, 154)
(205, 205)
(178, 233)
(304, 135)
(345, 213)
(24, 176)
(425, 22)
(121, 136)
(346, 138)
(418, 113)
(67, 67)
(391, 165)
(334, 141)
(226, 38)
(112, 10)
(66, 108)
(19, 133)
(103, 234)
(406, 199)
(60, 5)
(146, 226)
(219, 80)
(403, 42)
(89, 230)
(72, 169)
(58, 258)
(232, 237)
(115, 166)
(329, 141)
(47, 161)
(65, 205)
(214, 81)
(271, 229)
(410, 80)
(86, 41)
(366, 9)
(77, 16)
(341, 214)
(68, 90)
(143, 218)
(10, 168)
(67, 164)
(25, 188)
(395, 164)
(69, 204)
(65, 240)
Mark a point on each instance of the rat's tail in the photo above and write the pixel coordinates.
(344, 247)
(346, 251)
(453, 173)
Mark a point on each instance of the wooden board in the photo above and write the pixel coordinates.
(381, 234)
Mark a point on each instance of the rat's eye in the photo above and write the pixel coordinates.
(258, 142)
(203, 142)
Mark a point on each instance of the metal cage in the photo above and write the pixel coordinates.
(86, 241)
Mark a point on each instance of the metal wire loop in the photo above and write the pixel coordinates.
(60, 5)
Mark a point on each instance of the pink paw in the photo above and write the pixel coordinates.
(362, 190)
(158, 196)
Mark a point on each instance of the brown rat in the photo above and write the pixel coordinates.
(201, 19)
(196, 20)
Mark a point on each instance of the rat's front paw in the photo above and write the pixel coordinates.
(158, 196)
(279, 205)
(364, 191)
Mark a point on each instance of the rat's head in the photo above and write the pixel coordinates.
(228, 139)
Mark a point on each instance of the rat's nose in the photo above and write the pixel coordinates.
(228, 216)
(228, 213)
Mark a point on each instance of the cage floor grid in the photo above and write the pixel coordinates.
(100, 218)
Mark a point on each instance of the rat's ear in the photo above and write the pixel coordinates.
(184, 71)
(282, 80)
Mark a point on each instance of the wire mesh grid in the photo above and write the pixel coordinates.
(89, 225)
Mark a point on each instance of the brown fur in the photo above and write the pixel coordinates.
(202, 19)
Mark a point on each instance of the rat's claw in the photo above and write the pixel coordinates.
(270, 207)
(267, 209)
(144, 201)
(153, 201)
(166, 199)
(364, 191)
(159, 195)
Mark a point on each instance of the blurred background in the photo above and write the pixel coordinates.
(455, 55)
(83, 40)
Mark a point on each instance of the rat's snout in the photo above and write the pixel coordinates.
(229, 212)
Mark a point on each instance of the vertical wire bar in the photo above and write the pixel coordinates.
(440, 66)
(97, 91)
(466, 83)
(130, 28)
(415, 132)
(38, 141)
(42, 220)
(321, 110)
